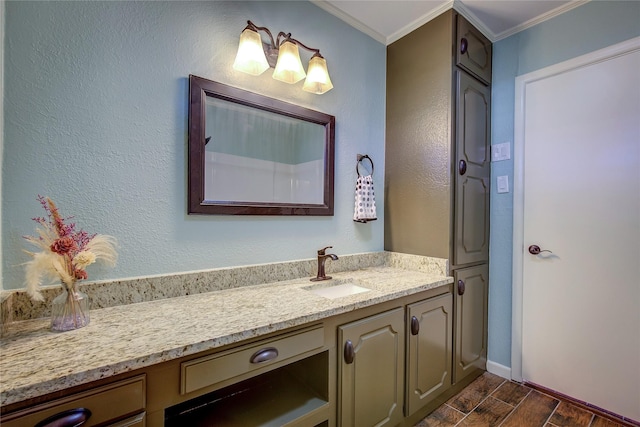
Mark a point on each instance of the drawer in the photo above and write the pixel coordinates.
(206, 371)
(107, 403)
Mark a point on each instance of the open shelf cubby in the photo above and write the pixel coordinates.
(276, 398)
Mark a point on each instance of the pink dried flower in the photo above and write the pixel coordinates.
(64, 245)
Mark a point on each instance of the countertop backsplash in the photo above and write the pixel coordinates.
(16, 305)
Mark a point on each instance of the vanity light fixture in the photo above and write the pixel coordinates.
(254, 57)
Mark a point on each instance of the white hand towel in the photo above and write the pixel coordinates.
(365, 206)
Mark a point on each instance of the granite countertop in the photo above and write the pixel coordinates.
(35, 361)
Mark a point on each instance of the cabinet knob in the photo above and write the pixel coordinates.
(264, 355)
(349, 353)
(415, 325)
(460, 287)
(464, 45)
(462, 167)
(70, 418)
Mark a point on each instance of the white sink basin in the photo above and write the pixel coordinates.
(336, 291)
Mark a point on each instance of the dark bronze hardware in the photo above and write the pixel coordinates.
(460, 287)
(361, 158)
(535, 250)
(415, 325)
(264, 355)
(70, 418)
(464, 45)
(322, 258)
(349, 353)
(462, 167)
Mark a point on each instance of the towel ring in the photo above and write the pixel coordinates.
(360, 159)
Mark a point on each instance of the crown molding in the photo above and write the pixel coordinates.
(539, 19)
(473, 19)
(420, 21)
(328, 7)
(459, 6)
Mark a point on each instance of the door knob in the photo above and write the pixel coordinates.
(461, 287)
(535, 250)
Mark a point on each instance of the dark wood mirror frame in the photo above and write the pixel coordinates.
(199, 89)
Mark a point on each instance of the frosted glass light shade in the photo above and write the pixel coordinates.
(250, 58)
(289, 68)
(318, 80)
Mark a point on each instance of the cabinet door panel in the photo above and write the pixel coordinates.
(471, 319)
(429, 351)
(371, 387)
(473, 174)
(473, 51)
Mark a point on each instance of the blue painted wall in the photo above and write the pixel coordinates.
(590, 27)
(95, 115)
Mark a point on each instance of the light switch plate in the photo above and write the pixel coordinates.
(501, 151)
(503, 184)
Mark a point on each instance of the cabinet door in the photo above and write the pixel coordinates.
(371, 370)
(473, 171)
(472, 290)
(473, 52)
(429, 332)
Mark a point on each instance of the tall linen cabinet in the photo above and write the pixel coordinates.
(437, 177)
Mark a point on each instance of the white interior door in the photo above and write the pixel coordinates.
(579, 197)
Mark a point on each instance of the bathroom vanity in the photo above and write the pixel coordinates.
(372, 346)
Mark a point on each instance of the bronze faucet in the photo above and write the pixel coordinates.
(322, 258)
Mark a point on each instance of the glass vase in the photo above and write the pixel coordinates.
(69, 310)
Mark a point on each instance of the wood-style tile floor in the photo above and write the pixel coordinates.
(493, 401)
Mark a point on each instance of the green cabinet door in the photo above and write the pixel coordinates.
(472, 171)
(473, 50)
(472, 289)
(429, 341)
(371, 370)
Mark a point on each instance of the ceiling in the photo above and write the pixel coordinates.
(388, 20)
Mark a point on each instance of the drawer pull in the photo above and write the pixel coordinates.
(349, 353)
(415, 325)
(264, 355)
(71, 418)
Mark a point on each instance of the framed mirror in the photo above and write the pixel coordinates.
(254, 155)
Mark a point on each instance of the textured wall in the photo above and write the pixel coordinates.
(2, 22)
(96, 118)
(590, 27)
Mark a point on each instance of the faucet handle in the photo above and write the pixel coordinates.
(321, 251)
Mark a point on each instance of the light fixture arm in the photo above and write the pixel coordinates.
(281, 38)
(254, 27)
(316, 52)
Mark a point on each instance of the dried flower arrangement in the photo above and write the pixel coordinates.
(65, 255)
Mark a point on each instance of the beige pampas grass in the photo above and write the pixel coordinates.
(45, 265)
(65, 252)
(104, 248)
